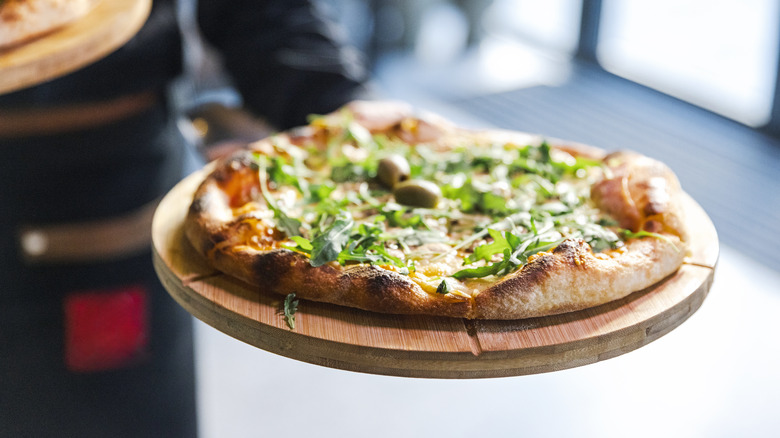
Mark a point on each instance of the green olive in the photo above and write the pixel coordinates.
(417, 193)
(392, 170)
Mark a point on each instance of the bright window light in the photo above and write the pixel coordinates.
(718, 54)
(553, 24)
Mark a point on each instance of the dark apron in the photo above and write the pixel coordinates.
(91, 346)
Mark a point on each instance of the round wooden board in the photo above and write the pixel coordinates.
(107, 27)
(420, 346)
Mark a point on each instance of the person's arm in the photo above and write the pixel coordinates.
(284, 56)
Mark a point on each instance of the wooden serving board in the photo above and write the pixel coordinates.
(107, 27)
(420, 346)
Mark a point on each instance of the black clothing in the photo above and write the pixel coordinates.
(286, 63)
(282, 54)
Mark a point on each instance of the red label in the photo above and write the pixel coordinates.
(105, 329)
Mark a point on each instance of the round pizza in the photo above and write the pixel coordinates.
(380, 208)
(23, 20)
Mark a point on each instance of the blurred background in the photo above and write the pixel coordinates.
(690, 82)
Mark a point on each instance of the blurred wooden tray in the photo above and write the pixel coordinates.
(419, 346)
(107, 27)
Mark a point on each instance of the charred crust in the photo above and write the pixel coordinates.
(567, 246)
(240, 161)
(536, 270)
(572, 247)
(573, 251)
(570, 252)
(272, 267)
(199, 205)
(379, 281)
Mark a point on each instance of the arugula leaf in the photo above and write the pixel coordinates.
(628, 234)
(493, 204)
(302, 244)
(353, 253)
(290, 307)
(487, 251)
(516, 250)
(290, 226)
(320, 192)
(327, 246)
(544, 152)
(484, 271)
(349, 172)
(412, 237)
(367, 245)
(599, 238)
(537, 245)
(398, 218)
(280, 172)
(444, 287)
(466, 193)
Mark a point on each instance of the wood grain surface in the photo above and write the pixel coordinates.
(422, 346)
(107, 27)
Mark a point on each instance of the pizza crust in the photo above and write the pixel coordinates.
(23, 20)
(641, 193)
(571, 278)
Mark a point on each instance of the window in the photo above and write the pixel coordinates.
(554, 24)
(718, 54)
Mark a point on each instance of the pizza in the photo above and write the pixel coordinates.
(382, 208)
(23, 20)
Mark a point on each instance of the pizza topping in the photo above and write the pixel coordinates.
(407, 219)
(417, 193)
(392, 169)
(332, 241)
(290, 226)
(350, 196)
(628, 234)
(290, 307)
(443, 287)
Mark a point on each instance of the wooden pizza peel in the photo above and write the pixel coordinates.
(107, 27)
(423, 346)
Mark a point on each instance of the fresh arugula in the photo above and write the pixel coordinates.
(513, 246)
(444, 287)
(343, 242)
(599, 238)
(284, 222)
(319, 192)
(290, 307)
(398, 216)
(628, 234)
(327, 246)
(513, 258)
(520, 191)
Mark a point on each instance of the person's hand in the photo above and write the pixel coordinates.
(222, 130)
